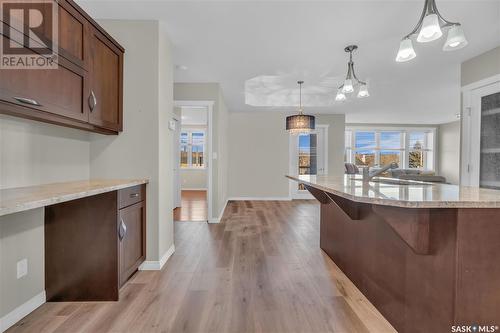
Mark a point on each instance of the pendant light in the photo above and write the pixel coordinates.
(351, 80)
(430, 28)
(300, 123)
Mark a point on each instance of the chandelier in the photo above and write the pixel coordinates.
(300, 123)
(429, 29)
(351, 82)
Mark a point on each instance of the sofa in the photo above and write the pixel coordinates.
(406, 174)
(414, 174)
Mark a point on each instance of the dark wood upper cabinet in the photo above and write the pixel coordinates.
(84, 92)
(105, 94)
(50, 92)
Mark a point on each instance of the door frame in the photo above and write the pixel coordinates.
(292, 168)
(209, 144)
(177, 198)
(469, 139)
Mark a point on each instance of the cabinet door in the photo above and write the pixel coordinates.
(105, 93)
(132, 235)
(54, 91)
(71, 36)
(71, 31)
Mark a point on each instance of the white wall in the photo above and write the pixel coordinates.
(34, 153)
(259, 152)
(193, 179)
(481, 67)
(143, 150)
(449, 151)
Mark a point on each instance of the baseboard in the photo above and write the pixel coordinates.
(219, 218)
(21, 311)
(157, 265)
(194, 189)
(260, 199)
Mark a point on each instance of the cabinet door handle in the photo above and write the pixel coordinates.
(134, 195)
(27, 101)
(92, 101)
(122, 230)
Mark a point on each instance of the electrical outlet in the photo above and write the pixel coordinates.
(22, 268)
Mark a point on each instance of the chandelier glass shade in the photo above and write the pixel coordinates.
(430, 28)
(300, 123)
(351, 81)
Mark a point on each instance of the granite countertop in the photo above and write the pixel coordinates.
(14, 200)
(413, 195)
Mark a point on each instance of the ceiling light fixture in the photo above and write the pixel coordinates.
(429, 28)
(351, 80)
(300, 123)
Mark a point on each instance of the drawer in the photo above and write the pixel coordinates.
(131, 195)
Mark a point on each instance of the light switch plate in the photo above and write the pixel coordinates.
(22, 268)
(171, 125)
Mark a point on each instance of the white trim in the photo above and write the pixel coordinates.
(481, 83)
(21, 311)
(219, 218)
(260, 198)
(194, 189)
(189, 103)
(157, 265)
(209, 141)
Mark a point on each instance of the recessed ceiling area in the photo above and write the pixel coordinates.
(231, 42)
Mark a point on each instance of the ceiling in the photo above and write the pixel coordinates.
(231, 42)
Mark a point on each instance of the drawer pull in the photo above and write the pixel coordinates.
(134, 195)
(27, 101)
(122, 230)
(92, 101)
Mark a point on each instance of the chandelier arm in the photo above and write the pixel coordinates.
(444, 22)
(420, 20)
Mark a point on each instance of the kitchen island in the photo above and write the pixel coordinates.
(426, 255)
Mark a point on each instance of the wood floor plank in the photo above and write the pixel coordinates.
(259, 270)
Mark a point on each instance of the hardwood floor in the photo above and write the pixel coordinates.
(193, 206)
(259, 270)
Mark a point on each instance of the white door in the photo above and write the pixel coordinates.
(308, 156)
(481, 137)
(176, 161)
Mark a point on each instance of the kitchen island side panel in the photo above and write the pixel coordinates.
(414, 292)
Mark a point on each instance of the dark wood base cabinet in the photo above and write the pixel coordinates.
(423, 269)
(94, 244)
(85, 91)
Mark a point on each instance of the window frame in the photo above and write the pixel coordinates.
(350, 150)
(190, 131)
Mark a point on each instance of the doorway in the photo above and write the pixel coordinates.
(191, 163)
(308, 156)
(480, 136)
